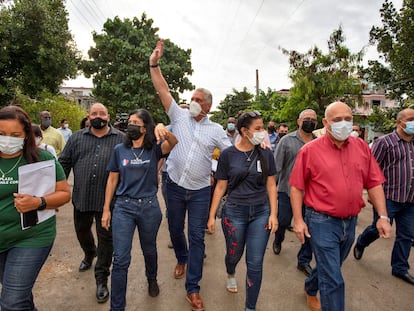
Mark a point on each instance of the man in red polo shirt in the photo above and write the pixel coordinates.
(328, 176)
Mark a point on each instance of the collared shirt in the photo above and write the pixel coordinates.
(89, 155)
(189, 163)
(285, 154)
(53, 137)
(66, 133)
(395, 157)
(333, 178)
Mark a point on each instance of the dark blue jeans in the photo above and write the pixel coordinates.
(128, 214)
(403, 214)
(246, 226)
(19, 268)
(197, 203)
(331, 240)
(284, 216)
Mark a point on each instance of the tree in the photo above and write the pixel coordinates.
(269, 103)
(119, 66)
(395, 43)
(37, 50)
(231, 105)
(59, 107)
(320, 79)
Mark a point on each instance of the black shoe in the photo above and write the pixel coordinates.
(85, 265)
(153, 289)
(277, 247)
(405, 277)
(102, 293)
(358, 251)
(306, 269)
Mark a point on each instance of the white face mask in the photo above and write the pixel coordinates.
(257, 137)
(195, 109)
(355, 134)
(11, 145)
(66, 126)
(341, 130)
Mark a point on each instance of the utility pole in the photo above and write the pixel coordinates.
(257, 83)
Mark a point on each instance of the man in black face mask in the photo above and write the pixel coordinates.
(87, 152)
(285, 155)
(51, 136)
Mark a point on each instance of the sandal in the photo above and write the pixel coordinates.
(232, 285)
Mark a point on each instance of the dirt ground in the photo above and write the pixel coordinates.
(369, 283)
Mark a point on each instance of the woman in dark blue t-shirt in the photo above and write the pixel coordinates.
(246, 172)
(133, 179)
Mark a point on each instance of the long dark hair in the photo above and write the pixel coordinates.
(30, 151)
(245, 120)
(149, 125)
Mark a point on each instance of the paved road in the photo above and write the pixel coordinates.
(369, 284)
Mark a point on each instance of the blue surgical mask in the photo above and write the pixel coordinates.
(231, 127)
(409, 127)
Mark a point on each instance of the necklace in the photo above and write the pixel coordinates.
(3, 174)
(137, 157)
(248, 157)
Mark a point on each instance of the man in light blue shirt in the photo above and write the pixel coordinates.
(188, 182)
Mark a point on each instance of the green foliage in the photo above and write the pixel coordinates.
(119, 66)
(320, 79)
(395, 43)
(59, 108)
(37, 50)
(270, 103)
(231, 105)
(384, 120)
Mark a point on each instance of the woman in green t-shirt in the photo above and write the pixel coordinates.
(25, 242)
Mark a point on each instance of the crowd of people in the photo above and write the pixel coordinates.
(268, 176)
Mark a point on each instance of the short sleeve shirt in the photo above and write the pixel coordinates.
(233, 165)
(11, 233)
(333, 178)
(138, 170)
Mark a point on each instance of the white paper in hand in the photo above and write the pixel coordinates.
(38, 179)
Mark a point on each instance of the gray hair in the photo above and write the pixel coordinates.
(305, 111)
(207, 95)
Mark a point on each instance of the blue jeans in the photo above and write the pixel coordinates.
(197, 203)
(284, 217)
(19, 268)
(403, 214)
(331, 240)
(246, 226)
(128, 214)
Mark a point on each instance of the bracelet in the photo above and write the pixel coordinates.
(384, 217)
(154, 66)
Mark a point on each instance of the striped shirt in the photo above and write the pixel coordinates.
(395, 157)
(89, 155)
(189, 163)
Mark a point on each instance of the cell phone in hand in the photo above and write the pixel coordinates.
(29, 219)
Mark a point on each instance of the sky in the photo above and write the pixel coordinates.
(231, 39)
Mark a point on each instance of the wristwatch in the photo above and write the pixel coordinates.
(42, 205)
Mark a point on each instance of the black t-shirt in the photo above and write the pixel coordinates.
(233, 165)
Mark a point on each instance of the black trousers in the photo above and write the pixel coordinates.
(83, 226)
